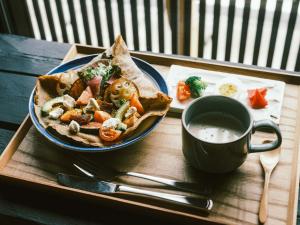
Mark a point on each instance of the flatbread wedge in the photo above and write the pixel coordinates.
(74, 91)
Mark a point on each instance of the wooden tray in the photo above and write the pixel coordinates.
(29, 159)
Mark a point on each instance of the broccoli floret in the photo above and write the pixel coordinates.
(197, 86)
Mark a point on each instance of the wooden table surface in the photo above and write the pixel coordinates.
(21, 60)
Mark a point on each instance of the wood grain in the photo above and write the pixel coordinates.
(5, 136)
(15, 92)
(236, 195)
(15, 142)
(29, 56)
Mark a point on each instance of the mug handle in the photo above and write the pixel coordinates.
(266, 124)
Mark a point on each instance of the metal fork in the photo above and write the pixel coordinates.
(103, 172)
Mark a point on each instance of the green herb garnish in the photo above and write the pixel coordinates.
(90, 72)
(111, 70)
(101, 70)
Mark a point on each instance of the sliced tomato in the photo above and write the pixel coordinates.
(134, 101)
(262, 91)
(183, 91)
(257, 98)
(85, 96)
(109, 134)
(101, 116)
(94, 84)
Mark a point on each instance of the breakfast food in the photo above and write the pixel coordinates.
(183, 91)
(230, 87)
(257, 98)
(101, 103)
(191, 87)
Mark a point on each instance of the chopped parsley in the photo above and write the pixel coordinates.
(90, 72)
(101, 70)
(110, 70)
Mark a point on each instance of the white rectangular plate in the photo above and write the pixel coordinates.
(275, 90)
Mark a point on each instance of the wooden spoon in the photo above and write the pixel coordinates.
(268, 160)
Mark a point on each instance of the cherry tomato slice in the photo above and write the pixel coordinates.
(101, 116)
(109, 134)
(183, 91)
(136, 103)
(262, 91)
(257, 98)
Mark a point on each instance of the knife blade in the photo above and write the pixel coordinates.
(104, 187)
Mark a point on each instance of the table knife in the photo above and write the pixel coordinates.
(104, 187)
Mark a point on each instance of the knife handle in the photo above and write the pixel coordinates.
(194, 202)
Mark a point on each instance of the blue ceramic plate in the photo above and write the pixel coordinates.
(148, 126)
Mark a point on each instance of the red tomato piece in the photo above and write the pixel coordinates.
(101, 116)
(257, 98)
(262, 91)
(183, 91)
(134, 101)
(109, 134)
(85, 96)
